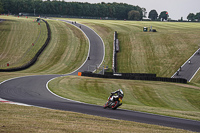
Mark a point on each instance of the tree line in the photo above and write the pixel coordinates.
(193, 17)
(1, 7)
(79, 9)
(153, 15)
(112, 10)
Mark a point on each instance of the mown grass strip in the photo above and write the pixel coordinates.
(14, 118)
(16, 45)
(107, 28)
(161, 53)
(154, 97)
(35, 57)
(67, 50)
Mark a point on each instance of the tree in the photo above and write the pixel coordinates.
(181, 19)
(7, 5)
(144, 11)
(153, 15)
(134, 15)
(191, 17)
(163, 15)
(1, 7)
(197, 16)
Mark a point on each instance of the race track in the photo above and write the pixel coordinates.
(189, 69)
(32, 90)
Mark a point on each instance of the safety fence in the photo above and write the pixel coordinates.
(115, 50)
(34, 59)
(134, 76)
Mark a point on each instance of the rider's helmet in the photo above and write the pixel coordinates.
(121, 91)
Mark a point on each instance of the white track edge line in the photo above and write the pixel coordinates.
(62, 74)
(88, 49)
(89, 43)
(194, 74)
(77, 69)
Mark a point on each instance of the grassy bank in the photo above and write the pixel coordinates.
(14, 118)
(169, 99)
(67, 50)
(17, 36)
(161, 53)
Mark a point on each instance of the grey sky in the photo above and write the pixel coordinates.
(176, 8)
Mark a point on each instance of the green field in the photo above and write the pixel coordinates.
(23, 119)
(161, 53)
(66, 51)
(17, 36)
(169, 99)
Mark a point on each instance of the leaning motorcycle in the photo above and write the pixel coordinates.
(117, 101)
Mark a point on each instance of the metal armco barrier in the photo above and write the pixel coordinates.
(115, 50)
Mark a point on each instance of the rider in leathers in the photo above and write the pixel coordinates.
(116, 94)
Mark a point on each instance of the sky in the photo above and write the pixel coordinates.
(175, 8)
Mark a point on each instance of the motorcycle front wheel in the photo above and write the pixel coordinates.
(105, 105)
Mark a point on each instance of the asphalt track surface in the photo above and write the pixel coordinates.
(189, 68)
(32, 90)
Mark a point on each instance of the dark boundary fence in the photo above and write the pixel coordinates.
(135, 76)
(34, 59)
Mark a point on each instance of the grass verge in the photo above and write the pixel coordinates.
(169, 99)
(14, 118)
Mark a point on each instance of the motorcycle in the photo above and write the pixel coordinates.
(115, 103)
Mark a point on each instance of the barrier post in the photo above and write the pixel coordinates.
(79, 73)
